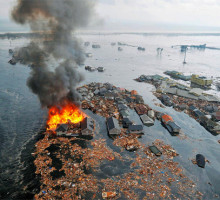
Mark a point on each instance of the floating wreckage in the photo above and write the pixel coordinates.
(120, 49)
(159, 51)
(178, 75)
(183, 48)
(86, 44)
(141, 49)
(88, 55)
(168, 122)
(200, 160)
(92, 69)
(155, 150)
(96, 46)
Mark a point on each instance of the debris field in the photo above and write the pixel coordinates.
(120, 167)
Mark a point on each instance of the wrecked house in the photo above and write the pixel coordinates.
(216, 116)
(181, 107)
(10, 51)
(170, 125)
(211, 108)
(196, 91)
(139, 99)
(87, 126)
(147, 121)
(120, 49)
(109, 96)
(113, 126)
(87, 44)
(126, 122)
(12, 61)
(197, 113)
(155, 150)
(122, 107)
(166, 100)
(135, 129)
(201, 81)
(129, 100)
(96, 46)
(166, 119)
(92, 69)
(141, 109)
(100, 69)
(124, 113)
(108, 86)
(102, 91)
(62, 130)
(192, 108)
(151, 114)
(89, 68)
(173, 128)
(177, 75)
(88, 55)
(141, 48)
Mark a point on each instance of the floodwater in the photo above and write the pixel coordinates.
(21, 116)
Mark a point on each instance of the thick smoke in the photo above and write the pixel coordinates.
(57, 19)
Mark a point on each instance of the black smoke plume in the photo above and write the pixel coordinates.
(55, 57)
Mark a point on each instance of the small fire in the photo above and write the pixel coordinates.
(67, 113)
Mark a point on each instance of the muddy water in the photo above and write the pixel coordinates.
(21, 116)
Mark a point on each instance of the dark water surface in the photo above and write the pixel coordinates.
(21, 116)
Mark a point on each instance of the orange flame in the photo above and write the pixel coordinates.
(68, 113)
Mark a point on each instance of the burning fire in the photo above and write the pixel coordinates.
(67, 113)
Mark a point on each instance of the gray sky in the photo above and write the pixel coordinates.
(148, 15)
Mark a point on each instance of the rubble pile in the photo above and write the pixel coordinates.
(129, 142)
(99, 152)
(76, 162)
(92, 69)
(72, 168)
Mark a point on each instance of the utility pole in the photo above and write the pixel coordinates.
(184, 61)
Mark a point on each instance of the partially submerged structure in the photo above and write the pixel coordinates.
(141, 49)
(113, 126)
(62, 129)
(155, 150)
(200, 160)
(87, 126)
(135, 129)
(120, 49)
(100, 69)
(126, 122)
(170, 125)
(178, 75)
(147, 121)
(96, 46)
(201, 81)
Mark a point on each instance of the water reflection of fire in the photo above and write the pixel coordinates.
(63, 114)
